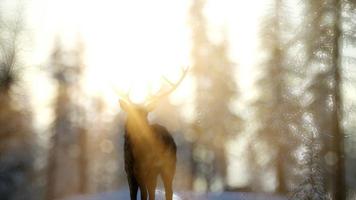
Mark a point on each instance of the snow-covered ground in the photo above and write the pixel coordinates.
(124, 195)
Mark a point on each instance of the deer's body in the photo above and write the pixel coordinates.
(150, 151)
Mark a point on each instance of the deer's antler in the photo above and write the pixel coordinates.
(123, 95)
(151, 103)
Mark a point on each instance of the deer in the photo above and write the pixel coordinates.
(149, 149)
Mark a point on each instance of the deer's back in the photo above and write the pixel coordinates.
(150, 157)
(165, 137)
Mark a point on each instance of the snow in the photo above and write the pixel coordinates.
(125, 195)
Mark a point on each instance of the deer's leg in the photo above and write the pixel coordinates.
(151, 186)
(143, 190)
(133, 187)
(167, 177)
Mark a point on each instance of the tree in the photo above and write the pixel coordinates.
(320, 95)
(16, 131)
(273, 146)
(348, 62)
(306, 54)
(312, 187)
(325, 87)
(67, 157)
(215, 88)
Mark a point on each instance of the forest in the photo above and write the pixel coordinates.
(259, 96)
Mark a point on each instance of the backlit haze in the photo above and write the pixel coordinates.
(130, 45)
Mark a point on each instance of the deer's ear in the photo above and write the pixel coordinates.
(123, 105)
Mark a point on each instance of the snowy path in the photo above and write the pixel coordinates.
(124, 195)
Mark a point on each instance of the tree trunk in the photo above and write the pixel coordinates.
(340, 187)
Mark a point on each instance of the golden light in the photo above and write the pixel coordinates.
(131, 44)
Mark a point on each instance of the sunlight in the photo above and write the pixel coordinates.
(139, 49)
(64, 65)
(130, 45)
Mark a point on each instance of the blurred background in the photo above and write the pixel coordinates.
(268, 105)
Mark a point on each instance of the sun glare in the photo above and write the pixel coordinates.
(130, 46)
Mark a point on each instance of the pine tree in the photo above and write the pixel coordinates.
(348, 62)
(276, 108)
(67, 157)
(215, 88)
(324, 65)
(312, 187)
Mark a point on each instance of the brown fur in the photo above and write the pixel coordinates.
(149, 151)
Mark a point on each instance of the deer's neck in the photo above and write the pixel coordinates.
(138, 130)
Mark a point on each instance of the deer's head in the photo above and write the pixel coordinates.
(133, 110)
(137, 113)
